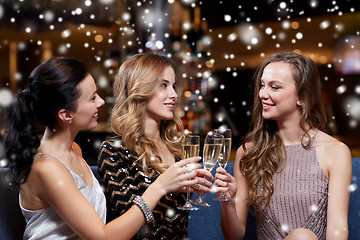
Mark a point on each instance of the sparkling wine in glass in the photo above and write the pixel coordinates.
(190, 148)
(212, 147)
(224, 156)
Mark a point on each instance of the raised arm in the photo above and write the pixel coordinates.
(55, 185)
(234, 212)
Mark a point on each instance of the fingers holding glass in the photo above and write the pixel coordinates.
(212, 147)
(224, 155)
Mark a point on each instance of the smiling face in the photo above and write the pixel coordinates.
(86, 114)
(278, 93)
(160, 106)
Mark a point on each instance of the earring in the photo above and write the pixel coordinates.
(70, 121)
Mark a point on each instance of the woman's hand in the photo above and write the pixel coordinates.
(179, 175)
(225, 183)
(202, 185)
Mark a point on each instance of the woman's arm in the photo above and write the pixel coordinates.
(234, 212)
(56, 186)
(339, 167)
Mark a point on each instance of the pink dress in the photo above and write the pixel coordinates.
(300, 197)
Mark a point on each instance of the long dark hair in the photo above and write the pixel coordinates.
(52, 86)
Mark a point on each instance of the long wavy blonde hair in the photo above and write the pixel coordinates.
(137, 80)
(265, 158)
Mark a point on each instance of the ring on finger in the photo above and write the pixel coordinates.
(196, 186)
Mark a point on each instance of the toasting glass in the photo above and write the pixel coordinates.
(190, 148)
(224, 155)
(212, 147)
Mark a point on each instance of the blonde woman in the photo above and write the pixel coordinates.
(146, 89)
(294, 175)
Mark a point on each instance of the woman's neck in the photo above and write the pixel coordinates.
(291, 132)
(152, 130)
(57, 140)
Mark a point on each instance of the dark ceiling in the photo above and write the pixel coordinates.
(242, 11)
(213, 11)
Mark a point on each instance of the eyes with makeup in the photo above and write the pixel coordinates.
(273, 85)
(166, 83)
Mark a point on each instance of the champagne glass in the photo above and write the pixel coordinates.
(212, 147)
(224, 155)
(190, 148)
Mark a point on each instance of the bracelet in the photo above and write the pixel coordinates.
(144, 208)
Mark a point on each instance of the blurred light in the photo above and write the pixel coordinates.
(186, 26)
(21, 46)
(187, 94)
(352, 187)
(231, 37)
(102, 82)
(247, 33)
(227, 18)
(282, 5)
(299, 35)
(106, 2)
(159, 44)
(286, 25)
(148, 44)
(314, 3)
(78, 11)
(268, 31)
(88, 3)
(49, 16)
(5, 97)
(126, 16)
(65, 33)
(352, 106)
(254, 41)
(62, 49)
(357, 89)
(323, 59)
(341, 89)
(98, 38)
(295, 25)
(324, 24)
(1, 11)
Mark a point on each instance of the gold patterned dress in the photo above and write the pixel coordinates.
(123, 177)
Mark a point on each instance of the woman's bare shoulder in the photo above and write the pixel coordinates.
(330, 145)
(242, 149)
(332, 154)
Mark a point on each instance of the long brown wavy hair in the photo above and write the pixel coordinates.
(265, 157)
(139, 78)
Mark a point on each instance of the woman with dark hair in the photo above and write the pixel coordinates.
(146, 89)
(59, 196)
(294, 175)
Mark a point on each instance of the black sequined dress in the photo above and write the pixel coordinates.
(123, 177)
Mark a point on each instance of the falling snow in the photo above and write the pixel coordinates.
(242, 40)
